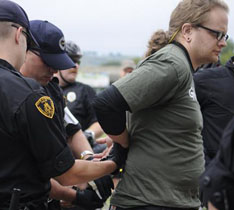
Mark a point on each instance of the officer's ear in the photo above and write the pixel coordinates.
(18, 34)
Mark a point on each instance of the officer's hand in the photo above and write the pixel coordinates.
(107, 141)
(104, 186)
(88, 199)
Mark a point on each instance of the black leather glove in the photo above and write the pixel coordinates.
(104, 186)
(118, 154)
(88, 199)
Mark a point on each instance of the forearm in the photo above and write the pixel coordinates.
(84, 171)
(96, 128)
(122, 139)
(79, 143)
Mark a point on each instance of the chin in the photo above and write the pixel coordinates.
(212, 59)
(44, 82)
(216, 59)
(72, 80)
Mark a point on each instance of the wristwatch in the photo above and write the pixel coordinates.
(84, 153)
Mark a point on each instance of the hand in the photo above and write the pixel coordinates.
(211, 207)
(106, 140)
(118, 154)
(104, 186)
(88, 199)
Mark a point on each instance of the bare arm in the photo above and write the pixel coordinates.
(96, 128)
(122, 139)
(79, 143)
(84, 171)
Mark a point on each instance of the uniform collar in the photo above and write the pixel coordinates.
(186, 54)
(8, 66)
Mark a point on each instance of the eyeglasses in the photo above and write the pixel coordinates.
(26, 34)
(76, 60)
(219, 35)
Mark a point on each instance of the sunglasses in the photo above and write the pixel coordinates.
(219, 35)
(26, 34)
(75, 59)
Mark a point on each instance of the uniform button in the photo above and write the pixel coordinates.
(206, 181)
(218, 196)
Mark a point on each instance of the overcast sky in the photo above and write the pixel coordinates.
(118, 26)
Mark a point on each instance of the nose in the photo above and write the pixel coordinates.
(222, 43)
(77, 65)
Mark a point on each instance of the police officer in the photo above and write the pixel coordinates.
(217, 182)
(215, 90)
(32, 147)
(41, 64)
(79, 96)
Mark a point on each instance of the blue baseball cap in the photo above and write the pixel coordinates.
(12, 12)
(52, 45)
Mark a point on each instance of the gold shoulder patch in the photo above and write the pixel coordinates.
(45, 105)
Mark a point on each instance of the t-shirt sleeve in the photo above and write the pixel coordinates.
(153, 83)
(42, 134)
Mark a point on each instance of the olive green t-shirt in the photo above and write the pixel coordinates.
(165, 156)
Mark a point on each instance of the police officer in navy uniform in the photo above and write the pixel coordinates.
(79, 95)
(79, 98)
(41, 64)
(32, 147)
(217, 182)
(215, 90)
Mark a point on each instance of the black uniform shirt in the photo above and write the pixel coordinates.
(215, 91)
(56, 93)
(32, 147)
(217, 182)
(79, 98)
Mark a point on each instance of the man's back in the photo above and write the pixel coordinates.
(215, 90)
